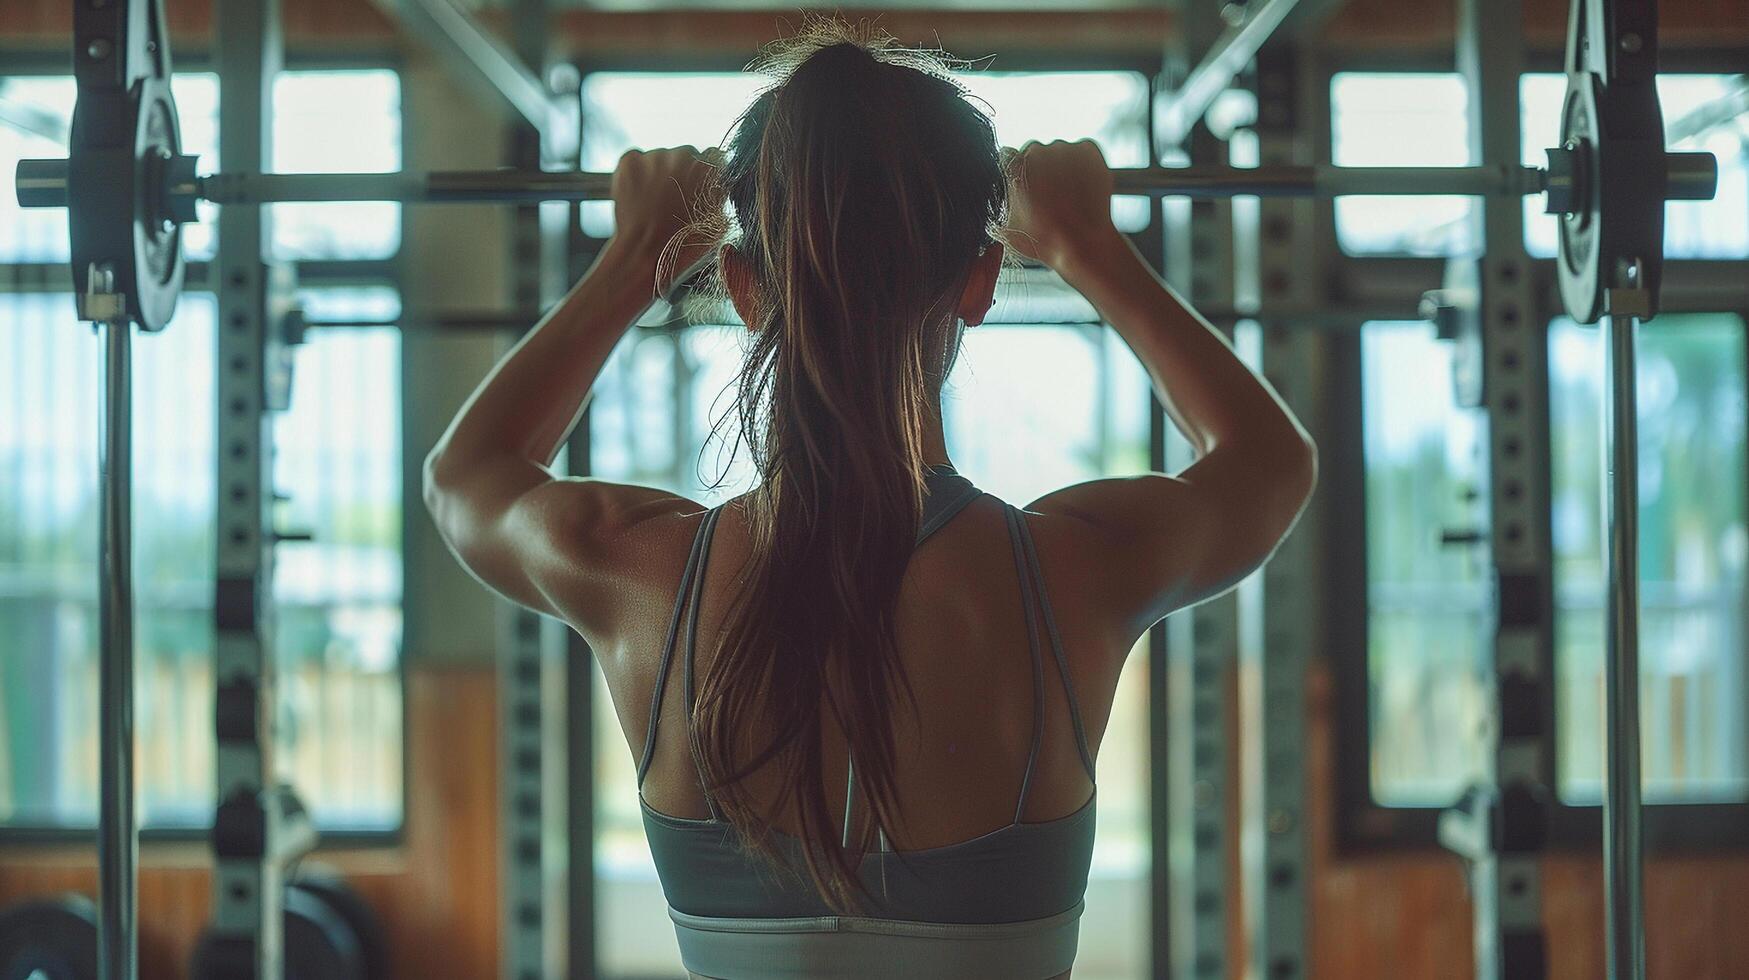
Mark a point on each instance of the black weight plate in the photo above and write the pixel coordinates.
(1581, 231)
(342, 898)
(157, 251)
(319, 943)
(55, 939)
(159, 246)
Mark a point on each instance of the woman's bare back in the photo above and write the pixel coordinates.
(963, 644)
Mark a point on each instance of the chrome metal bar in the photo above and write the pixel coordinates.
(43, 183)
(1231, 52)
(117, 823)
(1622, 855)
(513, 186)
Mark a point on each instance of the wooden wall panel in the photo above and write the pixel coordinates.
(435, 892)
(1408, 915)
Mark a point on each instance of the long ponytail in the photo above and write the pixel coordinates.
(864, 184)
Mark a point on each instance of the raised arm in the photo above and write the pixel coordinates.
(548, 543)
(1169, 540)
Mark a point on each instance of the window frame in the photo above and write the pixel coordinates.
(388, 271)
(1388, 287)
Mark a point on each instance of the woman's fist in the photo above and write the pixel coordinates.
(1060, 200)
(669, 203)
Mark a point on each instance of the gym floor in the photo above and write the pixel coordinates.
(404, 689)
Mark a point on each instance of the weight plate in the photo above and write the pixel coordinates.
(116, 199)
(157, 241)
(50, 939)
(319, 942)
(1581, 235)
(343, 899)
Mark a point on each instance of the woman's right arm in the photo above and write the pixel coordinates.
(1172, 539)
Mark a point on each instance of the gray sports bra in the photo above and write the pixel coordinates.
(1005, 904)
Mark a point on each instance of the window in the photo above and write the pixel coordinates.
(48, 572)
(338, 596)
(1040, 366)
(1428, 655)
(1694, 699)
(700, 109)
(1418, 119)
(1701, 112)
(1401, 119)
(1426, 651)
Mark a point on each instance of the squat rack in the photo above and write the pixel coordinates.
(128, 189)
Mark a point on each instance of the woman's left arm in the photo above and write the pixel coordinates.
(536, 538)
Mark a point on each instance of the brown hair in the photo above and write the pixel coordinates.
(863, 184)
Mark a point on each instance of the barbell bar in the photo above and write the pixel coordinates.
(43, 184)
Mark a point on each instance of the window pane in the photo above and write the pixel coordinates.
(1425, 603)
(338, 598)
(1400, 119)
(337, 122)
(48, 564)
(1693, 696)
(1693, 120)
(339, 594)
(626, 110)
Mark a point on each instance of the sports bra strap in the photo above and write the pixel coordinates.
(1044, 601)
(1016, 528)
(694, 563)
(706, 530)
(949, 493)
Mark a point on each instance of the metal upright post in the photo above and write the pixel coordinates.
(1500, 827)
(118, 825)
(531, 924)
(1205, 643)
(1273, 689)
(1622, 855)
(1202, 641)
(250, 823)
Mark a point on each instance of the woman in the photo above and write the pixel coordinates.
(877, 756)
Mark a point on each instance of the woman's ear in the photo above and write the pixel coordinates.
(738, 279)
(980, 291)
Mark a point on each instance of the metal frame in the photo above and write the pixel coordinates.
(1274, 847)
(1502, 829)
(532, 652)
(203, 276)
(475, 55)
(1388, 287)
(255, 824)
(1202, 642)
(1224, 58)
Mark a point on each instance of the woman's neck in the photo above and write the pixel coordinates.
(934, 439)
